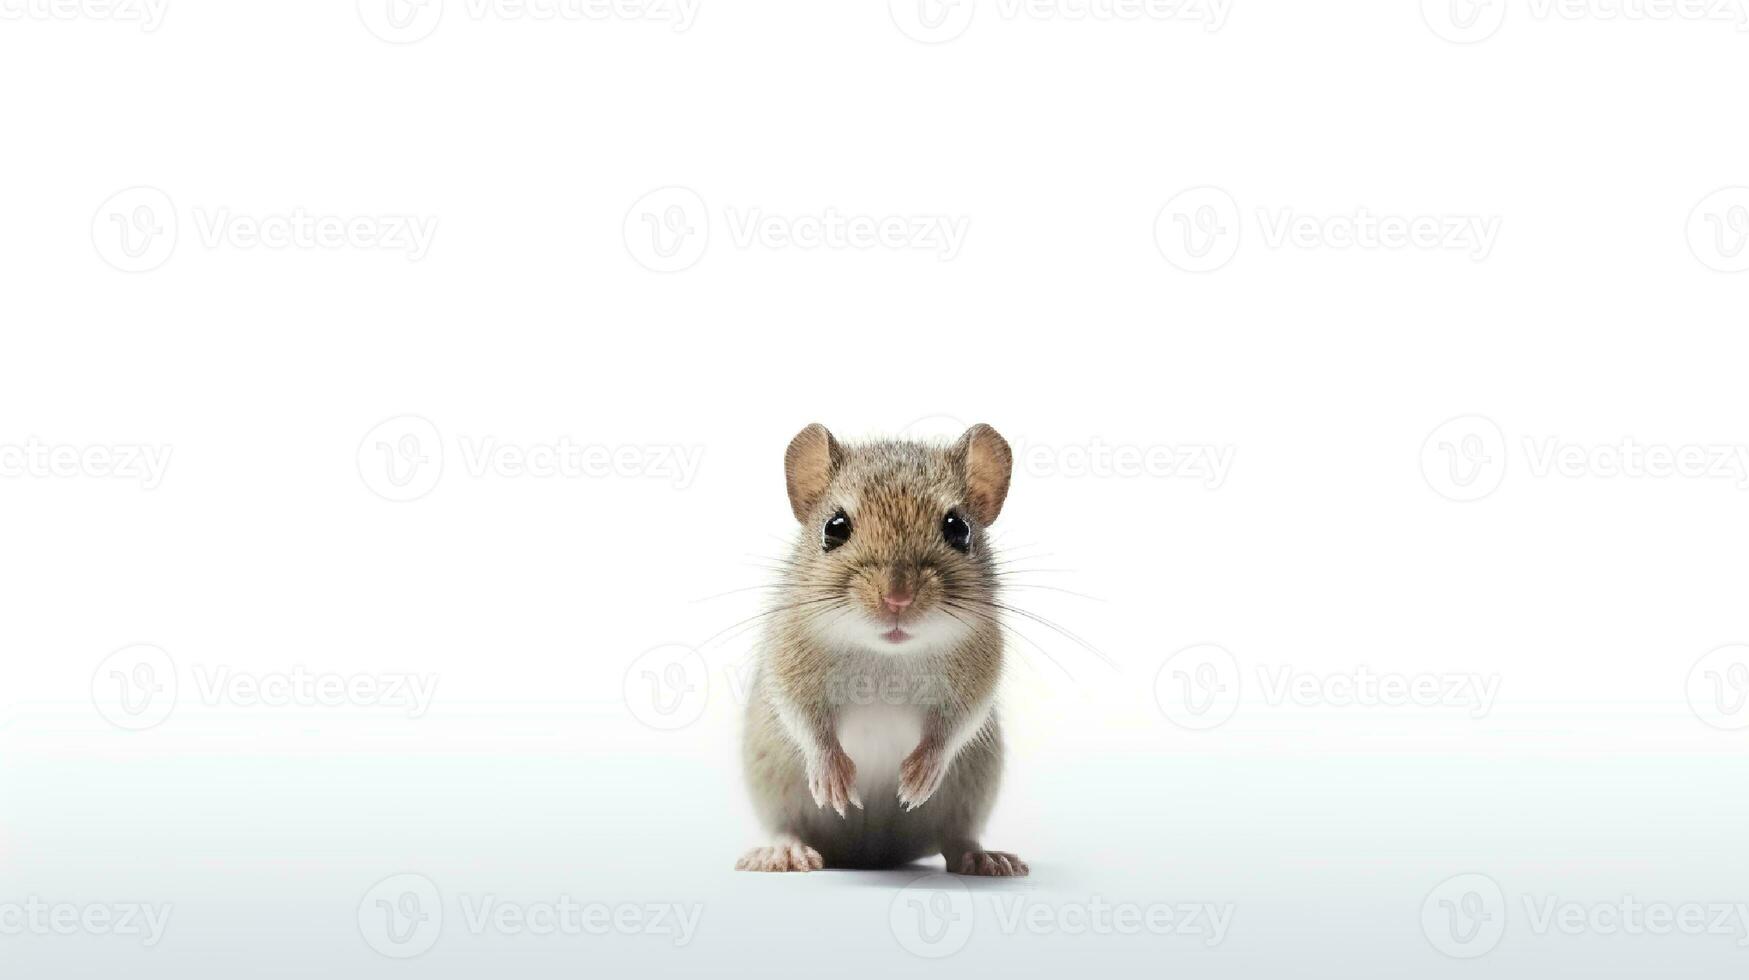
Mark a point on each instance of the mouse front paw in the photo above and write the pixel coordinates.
(787, 854)
(832, 781)
(920, 776)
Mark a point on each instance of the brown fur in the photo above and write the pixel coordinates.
(816, 674)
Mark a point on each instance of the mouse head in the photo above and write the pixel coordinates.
(892, 555)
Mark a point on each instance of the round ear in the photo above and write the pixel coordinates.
(808, 465)
(987, 463)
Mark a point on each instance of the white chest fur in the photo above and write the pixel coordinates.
(877, 737)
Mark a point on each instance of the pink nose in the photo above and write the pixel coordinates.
(897, 601)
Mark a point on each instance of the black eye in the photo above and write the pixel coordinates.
(836, 531)
(957, 532)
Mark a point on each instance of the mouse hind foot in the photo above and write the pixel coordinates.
(785, 853)
(970, 858)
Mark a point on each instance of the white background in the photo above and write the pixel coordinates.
(1353, 533)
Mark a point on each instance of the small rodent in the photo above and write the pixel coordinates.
(871, 735)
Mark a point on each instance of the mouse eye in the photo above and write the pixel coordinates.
(836, 531)
(957, 532)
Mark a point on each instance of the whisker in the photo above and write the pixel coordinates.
(750, 588)
(999, 624)
(1042, 621)
(1050, 588)
(762, 615)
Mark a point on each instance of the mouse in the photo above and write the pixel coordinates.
(871, 737)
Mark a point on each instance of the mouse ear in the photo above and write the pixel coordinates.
(987, 463)
(808, 464)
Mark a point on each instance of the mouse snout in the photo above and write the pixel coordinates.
(892, 593)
